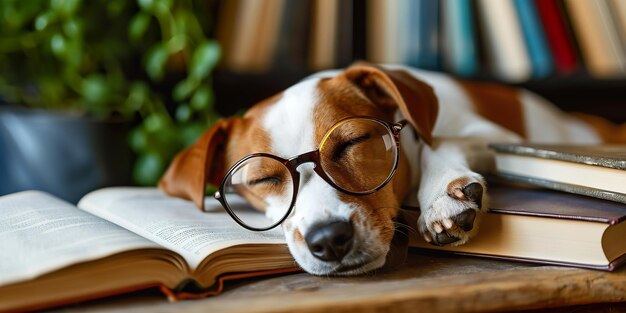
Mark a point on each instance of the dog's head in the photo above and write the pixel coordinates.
(328, 231)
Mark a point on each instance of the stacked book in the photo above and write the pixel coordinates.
(513, 40)
(562, 205)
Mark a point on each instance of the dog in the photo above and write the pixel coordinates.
(443, 155)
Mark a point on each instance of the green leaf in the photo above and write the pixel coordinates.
(204, 59)
(156, 122)
(190, 132)
(65, 8)
(138, 140)
(58, 46)
(183, 113)
(177, 43)
(162, 6)
(72, 28)
(138, 94)
(210, 190)
(42, 21)
(184, 88)
(148, 169)
(155, 61)
(202, 98)
(165, 142)
(74, 53)
(138, 26)
(95, 88)
(146, 5)
(116, 7)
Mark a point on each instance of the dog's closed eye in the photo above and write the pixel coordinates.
(270, 180)
(342, 148)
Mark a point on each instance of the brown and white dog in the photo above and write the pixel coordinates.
(455, 121)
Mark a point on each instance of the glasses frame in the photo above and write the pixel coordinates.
(311, 157)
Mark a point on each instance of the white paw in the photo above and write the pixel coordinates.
(452, 214)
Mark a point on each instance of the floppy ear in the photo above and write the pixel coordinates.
(397, 89)
(199, 164)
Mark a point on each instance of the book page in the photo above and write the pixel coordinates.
(174, 223)
(40, 233)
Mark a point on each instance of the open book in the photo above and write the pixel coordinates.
(123, 239)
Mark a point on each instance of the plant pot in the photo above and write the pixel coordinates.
(64, 155)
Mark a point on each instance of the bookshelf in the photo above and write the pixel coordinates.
(301, 47)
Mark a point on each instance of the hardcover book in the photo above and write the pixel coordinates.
(122, 239)
(596, 171)
(544, 226)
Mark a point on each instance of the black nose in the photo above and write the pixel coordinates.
(331, 241)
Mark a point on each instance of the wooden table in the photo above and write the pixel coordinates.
(427, 283)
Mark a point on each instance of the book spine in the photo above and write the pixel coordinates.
(405, 39)
(291, 47)
(359, 29)
(610, 25)
(376, 24)
(504, 40)
(345, 33)
(268, 35)
(560, 43)
(535, 40)
(225, 30)
(598, 41)
(247, 23)
(459, 35)
(393, 31)
(324, 35)
(618, 8)
(411, 35)
(428, 36)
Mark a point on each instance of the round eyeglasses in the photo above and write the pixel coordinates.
(357, 156)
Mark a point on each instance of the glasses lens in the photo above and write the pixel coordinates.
(359, 155)
(259, 191)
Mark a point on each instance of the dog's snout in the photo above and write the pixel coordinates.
(330, 241)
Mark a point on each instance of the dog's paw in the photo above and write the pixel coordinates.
(452, 217)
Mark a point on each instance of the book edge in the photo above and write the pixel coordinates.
(546, 153)
(568, 188)
(611, 266)
(170, 293)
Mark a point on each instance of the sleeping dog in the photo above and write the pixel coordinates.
(332, 158)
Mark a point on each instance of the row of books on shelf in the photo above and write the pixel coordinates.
(513, 40)
(121, 239)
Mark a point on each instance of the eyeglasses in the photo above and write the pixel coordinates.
(357, 156)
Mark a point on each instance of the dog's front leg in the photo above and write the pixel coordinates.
(451, 194)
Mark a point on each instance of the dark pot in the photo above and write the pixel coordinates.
(64, 155)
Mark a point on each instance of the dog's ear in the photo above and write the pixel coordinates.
(199, 164)
(397, 89)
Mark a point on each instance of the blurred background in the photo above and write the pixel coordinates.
(105, 92)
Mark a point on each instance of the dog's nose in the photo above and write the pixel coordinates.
(330, 242)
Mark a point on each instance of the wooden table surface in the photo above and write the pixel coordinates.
(427, 283)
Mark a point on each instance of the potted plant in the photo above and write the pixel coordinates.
(82, 81)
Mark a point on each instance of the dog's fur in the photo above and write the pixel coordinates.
(455, 121)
